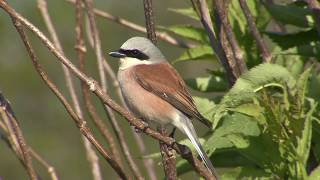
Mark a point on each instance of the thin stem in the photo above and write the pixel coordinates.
(105, 98)
(237, 52)
(265, 54)
(229, 65)
(81, 50)
(79, 122)
(17, 133)
(91, 154)
(168, 160)
(118, 130)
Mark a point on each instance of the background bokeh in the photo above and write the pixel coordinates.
(46, 125)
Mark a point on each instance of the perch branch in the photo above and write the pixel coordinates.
(118, 130)
(168, 159)
(105, 98)
(265, 54)
(91, 154)
(81, 124)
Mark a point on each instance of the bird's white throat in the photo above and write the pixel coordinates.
(128, 62)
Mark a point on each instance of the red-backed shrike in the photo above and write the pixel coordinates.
(154, 91)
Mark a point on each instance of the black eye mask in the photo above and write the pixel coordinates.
(134, 53)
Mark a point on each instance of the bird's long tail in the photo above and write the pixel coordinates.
(187, 127)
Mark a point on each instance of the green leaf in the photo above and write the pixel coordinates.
(249, 109)
(291, 14)
(289, 40)
(189, 12)
(205, 106)
(246, 173)
(189, 32)
(208, 84)
(235, 125)
(197, 53)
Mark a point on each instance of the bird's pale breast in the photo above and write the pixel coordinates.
(143, 103)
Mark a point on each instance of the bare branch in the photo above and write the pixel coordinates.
(119, 132)
(105, 98)
(229, 65)
(8, 116)
(237, 52)
(265, 54)
(81, 49)
(91, 154)
(150, 25)
(79, 122)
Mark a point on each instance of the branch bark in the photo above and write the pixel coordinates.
(81, 124)
(91, 154)
(105, 98)
(265, 54)
(8, 116)
(237, 52)
(118, 130)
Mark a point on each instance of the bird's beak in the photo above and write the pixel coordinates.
(117, 54)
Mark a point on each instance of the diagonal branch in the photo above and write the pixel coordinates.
(91, 154)
(105, 98)
(81, 49)
(118, 130)
(265, 54)
(9, 118)
(237, 52)
(79, 122)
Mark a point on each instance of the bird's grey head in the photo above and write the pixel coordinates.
(139, 48)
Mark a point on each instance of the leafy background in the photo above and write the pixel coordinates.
(266, 126)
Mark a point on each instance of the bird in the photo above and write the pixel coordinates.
(154, 91)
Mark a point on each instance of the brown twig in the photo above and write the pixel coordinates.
(91, 154)
(229, 65)
(265, 54)
(237, 52)
(168, 158)
(81, 124)
(118, 130)
(315, 7)
(128, 24)
(12, 123)
(81, 49)
(105, 98)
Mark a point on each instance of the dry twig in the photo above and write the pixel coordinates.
(16, 134)
(105, 98)
(91, 154)
(265, 54)
(118, 130)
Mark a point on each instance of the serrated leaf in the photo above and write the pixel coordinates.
(189, 32)
(208, 84)
(197, 53)
(291, 14)
(289, 40)
(189, 12)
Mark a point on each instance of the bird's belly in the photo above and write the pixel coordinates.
(143, 103)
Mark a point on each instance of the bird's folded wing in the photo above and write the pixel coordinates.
(163, 80)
